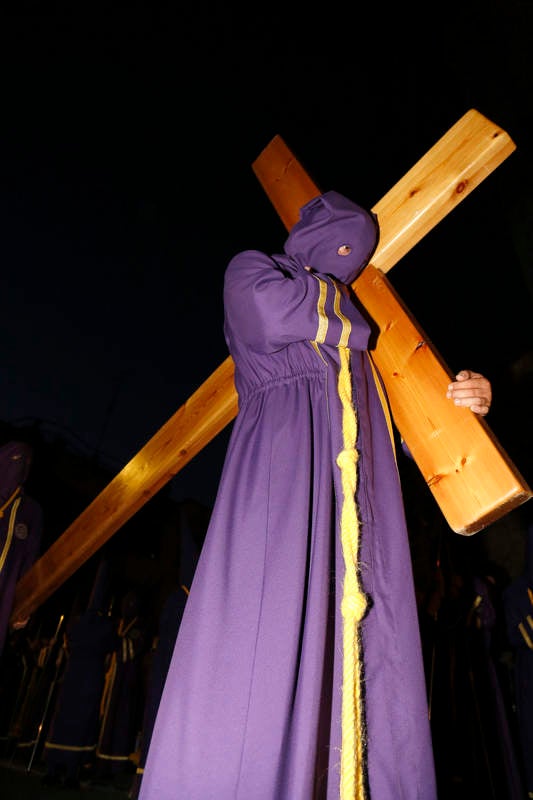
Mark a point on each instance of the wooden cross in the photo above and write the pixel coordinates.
(467, 470)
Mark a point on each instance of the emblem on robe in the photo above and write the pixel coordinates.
(21, 530)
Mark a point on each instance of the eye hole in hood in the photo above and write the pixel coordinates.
(334, 236)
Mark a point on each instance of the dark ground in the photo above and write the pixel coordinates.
(16, 783)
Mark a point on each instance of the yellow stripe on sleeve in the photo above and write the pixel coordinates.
(321, 311)
(346, 324)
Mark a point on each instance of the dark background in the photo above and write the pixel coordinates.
(126, 140)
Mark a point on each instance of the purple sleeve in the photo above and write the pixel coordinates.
(271, 307)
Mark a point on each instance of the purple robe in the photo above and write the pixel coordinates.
(21, 526)
(495, 734)
(251, 709)
(123, 699)
(518, 604)
(90, 639)
(72, 738)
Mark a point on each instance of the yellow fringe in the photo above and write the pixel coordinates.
(353, 607)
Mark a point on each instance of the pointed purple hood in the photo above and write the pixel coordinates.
(326, 223)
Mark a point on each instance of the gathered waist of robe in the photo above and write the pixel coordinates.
(252, 389)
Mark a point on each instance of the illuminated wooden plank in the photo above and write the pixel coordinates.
(455, 165)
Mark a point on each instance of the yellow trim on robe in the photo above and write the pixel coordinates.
(323, 321)
(384, 404)
(346, 324)
(525, 635)
(10, 530)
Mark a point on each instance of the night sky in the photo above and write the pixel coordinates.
(126, 140)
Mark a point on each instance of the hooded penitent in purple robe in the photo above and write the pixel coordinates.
(294, 577)
(20, 526)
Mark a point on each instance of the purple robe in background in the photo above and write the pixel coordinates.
(90, 639)
(518, 603)
(495, 734)
(251, 709)
(21, 526)
(71, 741)
(123, 698)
